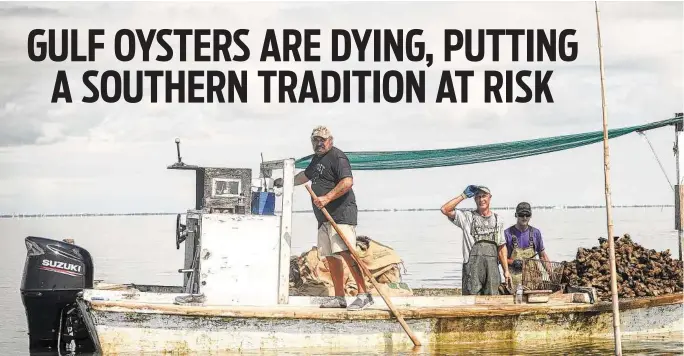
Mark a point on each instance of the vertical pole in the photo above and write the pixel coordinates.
(286, 231)
(606, 171)
(178, 150)
(679, 189)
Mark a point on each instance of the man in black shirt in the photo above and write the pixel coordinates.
(331, 180)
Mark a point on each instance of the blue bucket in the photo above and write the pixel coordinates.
(263, 203)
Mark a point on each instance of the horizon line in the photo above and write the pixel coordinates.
(542, 207)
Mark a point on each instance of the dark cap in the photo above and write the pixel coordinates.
(523, 208)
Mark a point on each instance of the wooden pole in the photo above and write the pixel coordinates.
(609, 219)
(368, 274)
(679, 189)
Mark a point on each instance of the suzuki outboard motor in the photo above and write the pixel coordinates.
(55, 272)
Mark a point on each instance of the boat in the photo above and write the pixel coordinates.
(235, 293)
(144, 319)
(131, 322)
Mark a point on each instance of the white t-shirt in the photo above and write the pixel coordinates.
(477, 227)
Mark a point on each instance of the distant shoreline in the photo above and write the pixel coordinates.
(564, 207)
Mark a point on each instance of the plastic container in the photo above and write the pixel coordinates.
(263, 203)
(519, 294)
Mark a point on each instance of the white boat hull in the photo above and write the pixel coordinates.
(134, 327)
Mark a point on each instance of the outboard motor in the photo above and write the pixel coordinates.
(55, 272)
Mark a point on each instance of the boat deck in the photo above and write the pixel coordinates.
(413, 307)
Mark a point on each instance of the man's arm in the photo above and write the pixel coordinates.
(340, 189)
(544, 256)
(500, 240)
(546, 262)
(342, 169)
(300, 178)
(541, 250)
(448, 207)
(503, 258)
(507, 233)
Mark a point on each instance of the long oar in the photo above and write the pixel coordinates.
(365, 270)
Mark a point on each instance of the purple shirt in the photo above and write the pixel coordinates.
(523, 239)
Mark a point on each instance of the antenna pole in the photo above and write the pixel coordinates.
(679, 189)
(609, 219)
(178, 150)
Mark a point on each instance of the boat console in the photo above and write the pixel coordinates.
(237, 249)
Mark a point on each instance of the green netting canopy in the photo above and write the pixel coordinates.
(384, 160)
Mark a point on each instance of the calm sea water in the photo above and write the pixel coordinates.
(141, 249)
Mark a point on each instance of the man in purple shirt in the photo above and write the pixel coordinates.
(523, 241)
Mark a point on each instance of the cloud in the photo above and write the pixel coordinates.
(95, 156)
(14, 10)
(640, 11)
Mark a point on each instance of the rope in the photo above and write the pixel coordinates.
(656, 157)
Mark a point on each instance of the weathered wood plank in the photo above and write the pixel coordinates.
(314, 312)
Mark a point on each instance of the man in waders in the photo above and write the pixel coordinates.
(331, 180)
(523, 242)
(483, 242)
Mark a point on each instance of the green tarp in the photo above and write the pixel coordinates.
(379, 160)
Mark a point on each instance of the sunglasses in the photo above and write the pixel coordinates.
(523, 215)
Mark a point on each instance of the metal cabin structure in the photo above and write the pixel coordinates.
(237, 244)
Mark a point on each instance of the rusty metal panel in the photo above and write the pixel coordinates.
(235, 190)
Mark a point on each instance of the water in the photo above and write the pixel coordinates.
(141, 249)
(656, 345)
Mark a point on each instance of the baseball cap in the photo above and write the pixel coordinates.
(523, 207)
(321, 131)
(484, 189)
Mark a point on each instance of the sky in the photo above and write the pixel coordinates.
(112, 157)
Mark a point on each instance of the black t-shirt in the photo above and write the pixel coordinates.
(325, 172)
